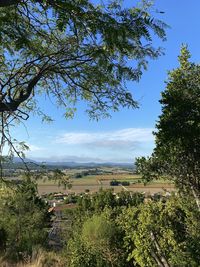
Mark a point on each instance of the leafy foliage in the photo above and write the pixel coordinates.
(106, 199)
(97, 241)
(161, 233)
(176, 154)
(71, 51)
(23, 220)
(96, 237)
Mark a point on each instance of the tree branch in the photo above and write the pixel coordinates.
(195, 197)
(162, 258)
(23, 96)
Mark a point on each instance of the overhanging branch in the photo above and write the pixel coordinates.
(23, 96)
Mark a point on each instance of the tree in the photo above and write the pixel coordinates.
(162, 233)
(24, 220)
(80, 55)
(101, 235)
(127, 198)
(71, 51)
(97, 242)
(177, 150)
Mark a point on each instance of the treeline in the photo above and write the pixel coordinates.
(116, 183)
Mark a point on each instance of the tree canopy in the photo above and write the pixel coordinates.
(162, 233)
(177, 152)
(72, 51)
(24, 220)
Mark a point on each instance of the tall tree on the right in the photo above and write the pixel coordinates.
(177, 151)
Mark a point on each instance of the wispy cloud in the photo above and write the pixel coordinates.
(34, 148)
(124, 138)
(106, 146)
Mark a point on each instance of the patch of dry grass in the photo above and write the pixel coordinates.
(41, 259)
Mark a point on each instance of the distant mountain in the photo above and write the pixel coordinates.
(27, 160)
(72, 164)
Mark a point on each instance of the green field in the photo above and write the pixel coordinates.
(94, 183)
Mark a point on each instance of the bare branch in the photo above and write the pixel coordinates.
(158, 248)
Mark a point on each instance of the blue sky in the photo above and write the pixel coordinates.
(128, 134)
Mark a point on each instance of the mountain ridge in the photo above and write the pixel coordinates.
(74, 164)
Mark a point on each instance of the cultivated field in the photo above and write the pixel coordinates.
(95, 182)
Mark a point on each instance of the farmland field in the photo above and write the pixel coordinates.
(95, 182)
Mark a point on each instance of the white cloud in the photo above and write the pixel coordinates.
(124, 138)
(34, 148)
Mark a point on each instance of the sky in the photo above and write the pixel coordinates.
(128, 133)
